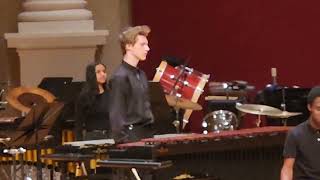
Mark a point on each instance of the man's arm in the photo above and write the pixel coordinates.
(287, 169)
(118, 107)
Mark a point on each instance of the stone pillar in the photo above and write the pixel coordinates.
(55, 38)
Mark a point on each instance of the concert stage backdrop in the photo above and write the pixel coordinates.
(236, 40)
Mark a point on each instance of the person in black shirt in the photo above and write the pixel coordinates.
(301, 159)
(92, 115)
(131, 117)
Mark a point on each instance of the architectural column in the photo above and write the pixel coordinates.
(56, 38)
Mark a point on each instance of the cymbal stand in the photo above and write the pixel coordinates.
(226, 88)
(283, 105)
(178, 122)
(258, 122)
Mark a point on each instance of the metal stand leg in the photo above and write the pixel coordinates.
(177, 122)
(258, 121)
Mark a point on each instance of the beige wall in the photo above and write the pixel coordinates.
(112, 15)
(9, 62)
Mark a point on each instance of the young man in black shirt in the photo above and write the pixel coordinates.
(301, 159)
(130, 112)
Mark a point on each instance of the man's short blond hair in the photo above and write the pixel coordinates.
(129, 35)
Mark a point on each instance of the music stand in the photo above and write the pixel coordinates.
(44, 116)
(160, 109)
(55, 85)
(294, 99)
(71, 92)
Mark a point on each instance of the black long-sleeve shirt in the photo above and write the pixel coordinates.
(129, 100)
(92, 117)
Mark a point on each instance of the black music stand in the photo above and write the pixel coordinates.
(28, 124)
(43, 116)
(67, 92)
(294, 99)
(55, 85)
(160, 109)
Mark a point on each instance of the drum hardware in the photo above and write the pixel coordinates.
(180, 103)
(177, 122)
(283, 106)
(182, 76)
(283, 103)
(190, 70)
(285, 114)
(200, 90)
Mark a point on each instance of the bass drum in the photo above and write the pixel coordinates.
(220, 120)
(184, 81)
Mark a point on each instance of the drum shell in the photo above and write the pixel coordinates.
(180, 80)
(220, 120)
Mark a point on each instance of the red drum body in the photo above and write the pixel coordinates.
(181, 81)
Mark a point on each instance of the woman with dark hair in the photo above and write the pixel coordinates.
(92, 117)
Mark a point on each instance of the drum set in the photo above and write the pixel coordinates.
(184, 85)
(222, 120)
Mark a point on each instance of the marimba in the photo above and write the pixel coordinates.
(247, 153)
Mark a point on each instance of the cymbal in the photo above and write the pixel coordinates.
(182, 103)
(285, 114)
(23, 98)
(258, 109)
